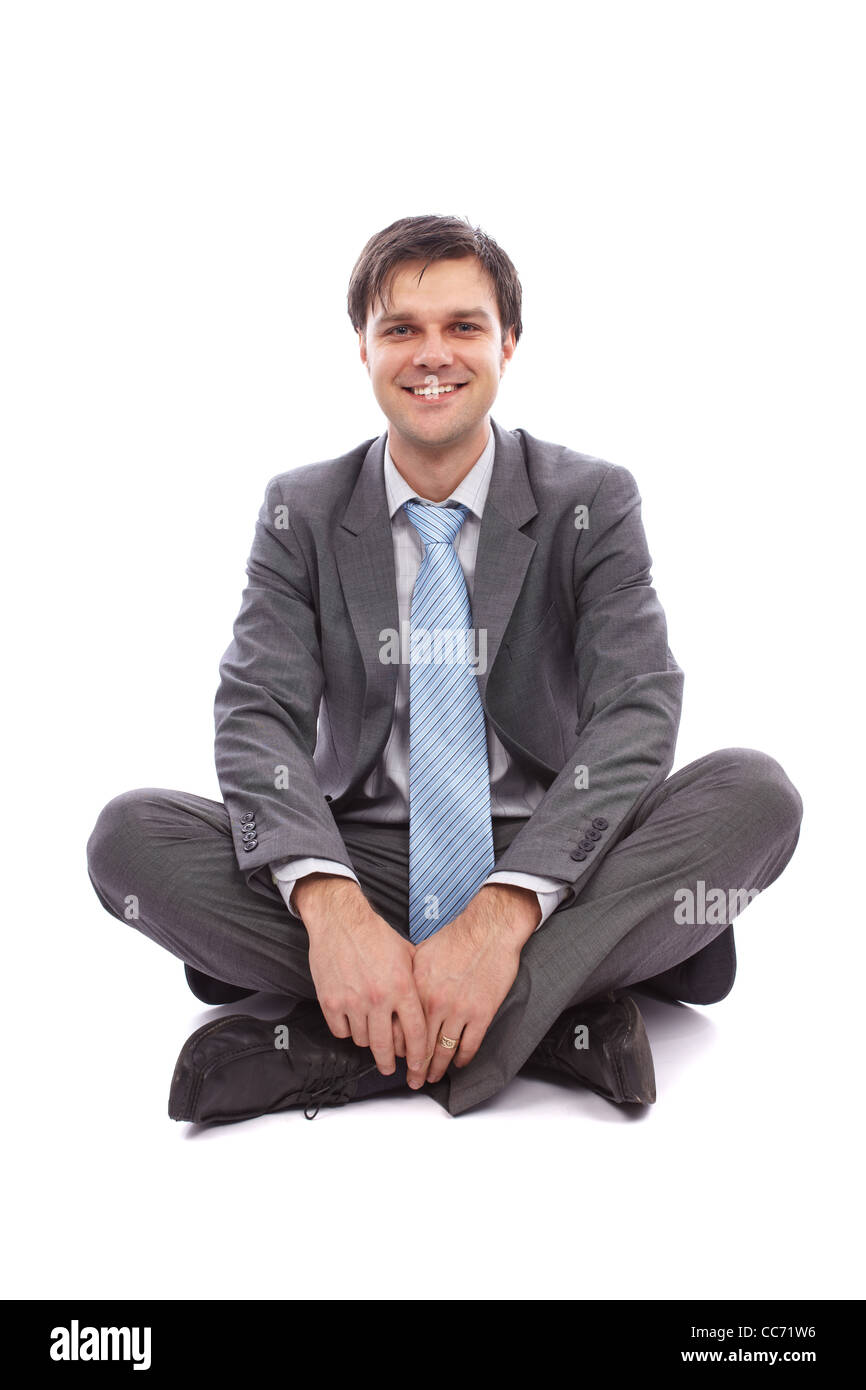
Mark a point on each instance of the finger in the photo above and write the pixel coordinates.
(381, 1043)
(414, 1026)
(358, 1025)
(338, 1024)
(433, 1029)
(445, 1051)
(399, 1040)
(473, 1037)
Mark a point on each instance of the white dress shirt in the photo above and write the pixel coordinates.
(384, 797)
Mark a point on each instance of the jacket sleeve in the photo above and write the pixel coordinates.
(267, 704)
(629, 697)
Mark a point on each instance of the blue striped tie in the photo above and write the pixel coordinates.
(450, 831)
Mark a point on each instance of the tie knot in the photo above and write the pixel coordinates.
(436, 525)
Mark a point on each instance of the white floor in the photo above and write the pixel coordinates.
(674, 183)
(742, 1181)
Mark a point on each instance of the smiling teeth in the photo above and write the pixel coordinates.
(432, 390)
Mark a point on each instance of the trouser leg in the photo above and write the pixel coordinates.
(730, 819)
(740, 806)
(163, 861)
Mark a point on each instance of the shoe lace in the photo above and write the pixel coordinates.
(338, 1087)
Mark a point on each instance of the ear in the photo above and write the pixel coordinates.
(508, 349)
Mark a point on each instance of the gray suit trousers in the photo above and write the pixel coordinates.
(163, 862)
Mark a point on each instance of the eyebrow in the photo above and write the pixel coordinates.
(477, 313)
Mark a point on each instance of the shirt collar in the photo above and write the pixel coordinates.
(471, 492)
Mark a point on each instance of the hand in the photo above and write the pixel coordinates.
(465, 970)
(362, 971)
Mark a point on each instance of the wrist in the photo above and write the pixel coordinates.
(318, 897)
(508, 908)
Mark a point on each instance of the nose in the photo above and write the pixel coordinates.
(433, 351)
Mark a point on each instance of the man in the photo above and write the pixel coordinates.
(453, 855)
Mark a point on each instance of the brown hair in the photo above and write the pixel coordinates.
(431, 238)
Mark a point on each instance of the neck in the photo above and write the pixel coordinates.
(435, 471)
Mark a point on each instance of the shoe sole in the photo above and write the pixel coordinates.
(632, 1062)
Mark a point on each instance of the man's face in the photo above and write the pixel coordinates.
(447, 326)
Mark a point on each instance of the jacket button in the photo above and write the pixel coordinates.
(578, 854)
(594, 835)
(247, 816)
(252, 844)
(328, 798)
(600, 823)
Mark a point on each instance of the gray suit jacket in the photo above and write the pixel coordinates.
(578, 670)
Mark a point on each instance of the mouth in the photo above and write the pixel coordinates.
(435, 395)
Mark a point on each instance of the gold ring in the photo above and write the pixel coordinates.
(450, 1043)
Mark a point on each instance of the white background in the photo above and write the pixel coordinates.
(186, 188)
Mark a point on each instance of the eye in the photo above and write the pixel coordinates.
(400, 327)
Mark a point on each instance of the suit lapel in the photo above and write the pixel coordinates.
(504, 552)
(365, 560)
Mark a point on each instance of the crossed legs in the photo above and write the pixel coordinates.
(163, 862)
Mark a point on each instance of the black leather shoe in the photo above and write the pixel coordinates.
(212, 991)
(617, 1062)
(234, 1070)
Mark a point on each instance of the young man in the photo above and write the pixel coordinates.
(444, 729)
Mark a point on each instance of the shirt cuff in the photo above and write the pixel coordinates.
(549, 891)
(286, 872)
